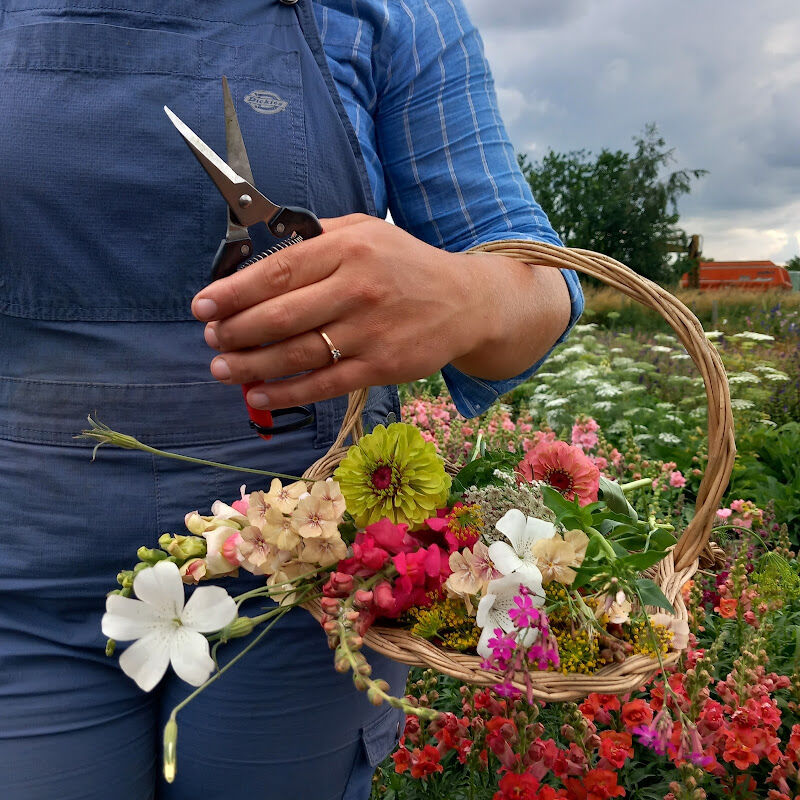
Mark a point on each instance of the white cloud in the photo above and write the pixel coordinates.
(770, 234)
(721, 81)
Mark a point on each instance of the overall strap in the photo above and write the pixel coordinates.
(308, 25)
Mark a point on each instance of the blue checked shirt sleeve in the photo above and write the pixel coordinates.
(451, 173)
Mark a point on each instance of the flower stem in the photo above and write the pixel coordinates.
(102, 434)
(640, 484)
(170, 730)
(268, 591)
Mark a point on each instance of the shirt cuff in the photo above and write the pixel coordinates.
(472, 396)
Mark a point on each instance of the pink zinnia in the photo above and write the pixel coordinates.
(563, 467)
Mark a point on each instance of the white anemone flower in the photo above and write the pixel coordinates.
(499, 600)
(166, 631)
(522, 532)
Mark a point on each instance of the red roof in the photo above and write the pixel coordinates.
(738, 264)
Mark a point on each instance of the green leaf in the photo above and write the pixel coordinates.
(651, 595)
(583, 575)
(568, 512)
(662, 539)
(618, 549)
(613, 496)
(641, 561)
(480, 472)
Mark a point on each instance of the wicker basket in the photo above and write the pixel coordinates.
(671, 573)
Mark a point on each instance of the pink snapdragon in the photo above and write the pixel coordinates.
(676, 479)
(584, 433)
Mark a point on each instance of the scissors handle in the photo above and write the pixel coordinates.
(295, 221)
(230, 254)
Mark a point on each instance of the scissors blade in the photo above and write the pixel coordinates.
(237, 159)
(247, 203)
(237, 153)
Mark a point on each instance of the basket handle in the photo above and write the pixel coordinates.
(721, 447)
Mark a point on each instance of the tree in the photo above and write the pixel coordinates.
(617, 203)
(793, 263)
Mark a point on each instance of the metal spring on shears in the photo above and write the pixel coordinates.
(274, 249)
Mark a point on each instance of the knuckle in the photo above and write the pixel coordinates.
(248, 371)
(276, 272)
(236, 296)
(327, 388)
(220, 334)
(298, 356)
(277, 316)
(358, 248)
(369, 292)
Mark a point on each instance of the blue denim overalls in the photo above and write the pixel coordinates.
(107, 229)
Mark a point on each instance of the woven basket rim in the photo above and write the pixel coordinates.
(673, 571)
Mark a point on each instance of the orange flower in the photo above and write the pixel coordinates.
(635, 713)
(727, 607)
(616, 747)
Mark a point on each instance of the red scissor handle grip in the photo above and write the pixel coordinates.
(260, 418)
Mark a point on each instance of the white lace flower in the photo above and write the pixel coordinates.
(499, 600)
(753, 336)
(522, 532)
(164, 628)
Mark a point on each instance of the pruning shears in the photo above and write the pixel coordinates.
(246, 207)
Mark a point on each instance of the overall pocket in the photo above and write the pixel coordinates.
(104, 213)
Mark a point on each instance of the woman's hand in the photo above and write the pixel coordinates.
(396, 308)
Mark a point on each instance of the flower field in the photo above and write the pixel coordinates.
(724, 722)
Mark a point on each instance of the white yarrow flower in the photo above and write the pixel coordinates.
(754, 336)
(743, 377)
(166, 631)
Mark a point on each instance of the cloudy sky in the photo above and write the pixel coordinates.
(720, 78)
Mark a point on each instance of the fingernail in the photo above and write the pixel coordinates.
(204, 308)
(220, 369)
(258, 399)
(211, 337)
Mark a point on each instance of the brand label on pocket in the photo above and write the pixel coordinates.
(265, 102)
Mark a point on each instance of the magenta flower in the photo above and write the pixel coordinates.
(524, 615)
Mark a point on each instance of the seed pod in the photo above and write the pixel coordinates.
(341, 665)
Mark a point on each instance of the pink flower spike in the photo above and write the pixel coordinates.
(676, 480)
(388, 535)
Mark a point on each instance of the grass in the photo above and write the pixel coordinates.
(730, 310)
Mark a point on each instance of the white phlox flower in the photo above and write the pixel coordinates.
(499, 600)
(166, 631)
(522, 532)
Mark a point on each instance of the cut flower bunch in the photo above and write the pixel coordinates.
(532, 561)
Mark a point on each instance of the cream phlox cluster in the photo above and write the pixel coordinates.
(281, 533)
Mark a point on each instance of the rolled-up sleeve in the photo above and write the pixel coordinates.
(451, 173)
